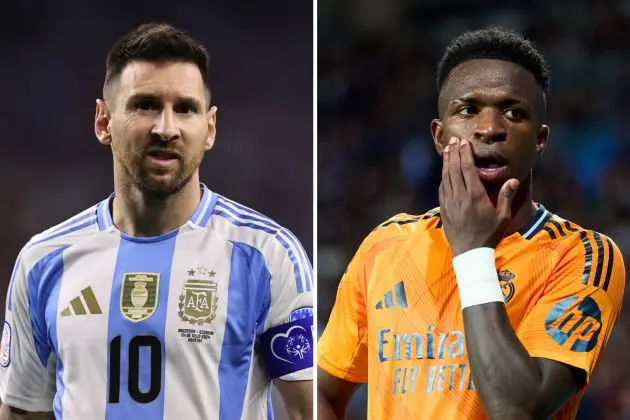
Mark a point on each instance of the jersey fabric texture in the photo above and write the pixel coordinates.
(397, 323)
(192, 324)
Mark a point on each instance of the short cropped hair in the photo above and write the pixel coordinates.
(493, 43)
(155, 42)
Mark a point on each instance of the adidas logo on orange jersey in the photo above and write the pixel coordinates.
(401, 298)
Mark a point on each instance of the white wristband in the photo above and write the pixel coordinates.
(477, 277)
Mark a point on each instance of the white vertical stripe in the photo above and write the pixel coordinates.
(192, 376)
(83, 338)
(255, 404)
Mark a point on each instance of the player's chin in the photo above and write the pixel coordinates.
(161, 184)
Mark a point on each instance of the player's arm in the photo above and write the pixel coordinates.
(27, 363)
(342, 348)
(297, 397)
(287, 342)
(536, 375)
(12, 413)
(333, 395)
(510, 383)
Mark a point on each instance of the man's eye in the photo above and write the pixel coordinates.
(147, 106)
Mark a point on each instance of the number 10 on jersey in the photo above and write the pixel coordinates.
(133, 373)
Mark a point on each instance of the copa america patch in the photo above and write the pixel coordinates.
(5, 345)
(288, 347)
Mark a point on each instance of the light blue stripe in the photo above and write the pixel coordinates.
(101, 210)
(41, 281)
(308, 269)
(144, 257)
(205, 196)
(57, 402)
(284, 236)
(66, 232)
(74, 220)
(211, 207)
(237, 222)
(247, 292)
(269, 404)
(54, 274)
(296, 267)
(265, 221)
(105, 219)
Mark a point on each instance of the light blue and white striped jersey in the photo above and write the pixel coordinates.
(192, 324)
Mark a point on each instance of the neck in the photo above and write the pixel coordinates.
(139, 214)
(523, 208)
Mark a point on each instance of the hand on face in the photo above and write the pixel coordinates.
(469, 218)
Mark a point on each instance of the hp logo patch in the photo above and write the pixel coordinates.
(576, 325)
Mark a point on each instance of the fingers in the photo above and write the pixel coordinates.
(505, 199)
(445, 185)
(454, 167)
(469, 173)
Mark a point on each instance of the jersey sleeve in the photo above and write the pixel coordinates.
(573, 320)
(27, 364)
(287, 340)
(343, 347)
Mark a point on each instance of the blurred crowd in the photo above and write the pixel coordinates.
(376, 97)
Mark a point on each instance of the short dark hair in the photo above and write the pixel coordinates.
(156, 42)
(493, 43)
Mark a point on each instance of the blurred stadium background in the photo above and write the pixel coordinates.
(52, 71)
(376, 97)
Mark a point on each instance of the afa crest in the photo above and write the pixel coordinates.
(139, 295)
(198, 300)
(507, 287)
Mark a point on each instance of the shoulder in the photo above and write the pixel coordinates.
(60, 236)
(400, 228)
(571, 238)
(244, 224)
(585, 253)
(254, 232)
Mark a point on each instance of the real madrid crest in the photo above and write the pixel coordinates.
(198, 300)
(139, 295)
(507, 287)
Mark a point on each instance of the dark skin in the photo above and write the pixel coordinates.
(488, 106)
(491, 104)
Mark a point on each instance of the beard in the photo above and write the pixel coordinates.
(156, 181)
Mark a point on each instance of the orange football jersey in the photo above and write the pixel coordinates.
(397, 323)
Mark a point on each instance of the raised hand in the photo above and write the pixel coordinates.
(469, 218)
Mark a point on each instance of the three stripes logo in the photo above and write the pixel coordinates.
(388, 299)
(83, 304)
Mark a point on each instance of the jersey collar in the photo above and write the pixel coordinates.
(199, 218)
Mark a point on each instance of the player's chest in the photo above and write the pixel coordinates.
(417, 290)
(191, 293)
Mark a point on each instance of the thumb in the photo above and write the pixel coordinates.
(506, 196)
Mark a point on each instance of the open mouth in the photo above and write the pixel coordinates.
(163, 155)
(490, 166)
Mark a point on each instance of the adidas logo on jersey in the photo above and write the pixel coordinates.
(401, 298)
(87, 305)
